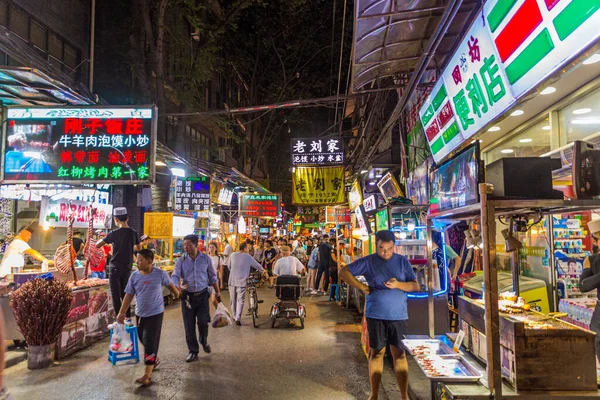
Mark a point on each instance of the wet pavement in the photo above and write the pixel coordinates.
(322, 361)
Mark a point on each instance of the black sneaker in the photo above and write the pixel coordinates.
(206, 348)
(192, 357)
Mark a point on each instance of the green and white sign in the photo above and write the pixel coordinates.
(534, 38)
(475, 82)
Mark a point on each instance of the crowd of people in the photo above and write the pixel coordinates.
(199, 277)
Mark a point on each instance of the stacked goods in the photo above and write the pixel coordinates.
(41, 308)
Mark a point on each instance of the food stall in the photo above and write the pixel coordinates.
(167, 231)
(60, 164)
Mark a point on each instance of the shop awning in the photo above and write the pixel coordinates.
(31, 87)
(390, 36)
(215, 171)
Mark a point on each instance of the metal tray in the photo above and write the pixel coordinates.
(463, 371)
(442, 348)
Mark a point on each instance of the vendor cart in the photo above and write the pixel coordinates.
(539, 356)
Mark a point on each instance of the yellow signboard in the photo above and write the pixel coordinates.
(158, 225)
(318, 186)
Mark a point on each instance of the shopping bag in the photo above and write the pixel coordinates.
(120, 341)
(222, 316)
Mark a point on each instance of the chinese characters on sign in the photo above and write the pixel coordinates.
(318, 186)
(56, 213)
(192, 194)
(318, 151)
(220, 194)
(260, 205)
(79, 144)
(475, 82)
(337, 215)
(370, 204)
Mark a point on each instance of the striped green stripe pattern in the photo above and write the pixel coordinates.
(533, 53)
(439, 98)
(500, 10)
(427, 115)
(437, 145)
(450, 133)
(574, 15)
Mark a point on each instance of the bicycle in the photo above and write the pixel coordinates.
(253, 301)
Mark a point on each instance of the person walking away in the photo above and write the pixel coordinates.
(225, 266)
(590, 280)
(125, 241)
(216, 264)
(287, 264)
(300, 253)
(389, 276)
(240, 265)
(194, 273)
(325, 260)
(270, 258)
(146, 285)
(312, 271)
(309, 246)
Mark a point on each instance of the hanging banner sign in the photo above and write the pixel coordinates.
(192, 194)
(318, 186)
(370, 204)
(79, 145)
(476, 85)
(214, 222)
(363, 220)
(220, 194)
(56, 213)
(337, 215)
(535, 38)
(260, 205)
(355, 197)
(318, 151)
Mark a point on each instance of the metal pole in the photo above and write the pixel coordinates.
(551, 262)
(515, 260)
(92, 44)
(490, 295)
(430, 272)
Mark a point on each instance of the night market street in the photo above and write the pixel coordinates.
(323, 361)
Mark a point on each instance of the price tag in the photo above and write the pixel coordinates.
(459, 339)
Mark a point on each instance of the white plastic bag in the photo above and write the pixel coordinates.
(222, 316)
(120, 341)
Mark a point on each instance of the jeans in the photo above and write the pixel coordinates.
(195, 311)
(118, 281)
(323, 269)
(99, 275)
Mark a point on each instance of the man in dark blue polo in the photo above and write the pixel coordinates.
(194, 274)
(389, 276)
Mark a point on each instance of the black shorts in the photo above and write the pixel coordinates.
(383, 332)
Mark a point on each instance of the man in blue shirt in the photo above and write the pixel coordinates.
(194, 274)
(389, 277)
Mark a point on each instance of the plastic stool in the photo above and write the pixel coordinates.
(337, 291)
(134, 354)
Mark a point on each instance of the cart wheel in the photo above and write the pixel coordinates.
(254, 318)
(273, 323)
(302, 323)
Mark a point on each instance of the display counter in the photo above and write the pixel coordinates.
(530, 345)
(89, 317)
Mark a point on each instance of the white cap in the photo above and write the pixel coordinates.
(594, 226)
(120, 211)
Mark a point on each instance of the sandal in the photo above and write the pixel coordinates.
(156, 364)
